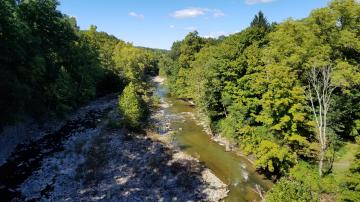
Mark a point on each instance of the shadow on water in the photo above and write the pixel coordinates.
(27, 158)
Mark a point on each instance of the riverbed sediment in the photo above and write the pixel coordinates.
(98, 161)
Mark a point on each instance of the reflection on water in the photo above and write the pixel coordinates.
(235, 171)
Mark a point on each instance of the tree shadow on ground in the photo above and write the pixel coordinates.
(129, 167)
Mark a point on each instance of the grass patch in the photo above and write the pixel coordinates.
(344, 158)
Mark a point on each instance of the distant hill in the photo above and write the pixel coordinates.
(158, 50)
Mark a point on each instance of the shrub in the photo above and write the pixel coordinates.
(129, 107)
(290, 190)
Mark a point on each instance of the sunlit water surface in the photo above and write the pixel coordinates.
(232, 169)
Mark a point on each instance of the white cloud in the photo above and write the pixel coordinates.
(196, 12)
(172, 26)
(136, 15)
(251, 2)
(189, 13)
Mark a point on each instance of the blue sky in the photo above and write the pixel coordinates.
(158, 23)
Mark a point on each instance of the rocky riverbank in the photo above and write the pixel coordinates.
(164, 133)
(31, 131)
(91, 159)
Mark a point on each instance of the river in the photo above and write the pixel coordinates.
(177, 117)
(236, 171)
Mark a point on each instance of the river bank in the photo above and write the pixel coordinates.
(88, 159)
(229, 145)
(30, 130)
(178, 123)
(203, 121)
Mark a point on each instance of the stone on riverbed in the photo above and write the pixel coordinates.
(112, 165)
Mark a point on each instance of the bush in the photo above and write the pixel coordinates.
(129, 107)
(273, 158)
(290, 190)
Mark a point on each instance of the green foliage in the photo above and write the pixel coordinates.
(350, 187)
(134, 63)
(178, 64)
(274, 159)
(165, 63)
(130, 108)
(110, 80)
(290, 190)
(260, 21)
(308, 175)
(105, 45)
(252, 86)
(47, 63)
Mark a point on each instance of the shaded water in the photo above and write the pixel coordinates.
(235, 171)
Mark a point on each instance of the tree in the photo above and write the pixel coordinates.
(129, 106)
(273, 159)
(183, 54)
(205, 82)
(260, 21)
(320, 90)
(134, 63)
(105, 45)
(47, 63)
(255, 88)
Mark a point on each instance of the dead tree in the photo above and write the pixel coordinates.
(319, 93)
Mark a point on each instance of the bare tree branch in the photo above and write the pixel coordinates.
(320, 84)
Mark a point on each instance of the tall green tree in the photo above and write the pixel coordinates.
(47, 63)
(260, 21)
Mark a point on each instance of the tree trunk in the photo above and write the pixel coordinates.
(321, 87)
(224, 108)
(321, 161)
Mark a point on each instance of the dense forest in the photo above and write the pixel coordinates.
(288, 94)
(48, 63)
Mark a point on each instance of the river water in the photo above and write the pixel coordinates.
(236, 171)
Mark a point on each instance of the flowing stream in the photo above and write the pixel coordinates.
(232, 169)
(176, 116)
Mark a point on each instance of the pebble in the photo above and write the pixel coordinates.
(134, 170)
